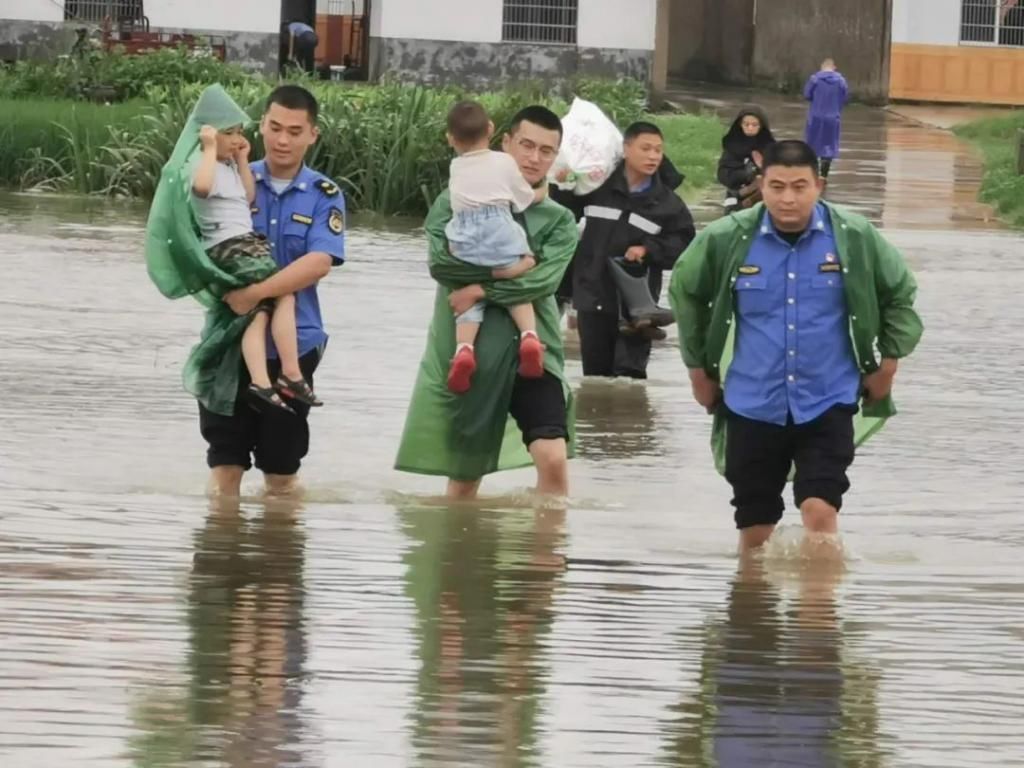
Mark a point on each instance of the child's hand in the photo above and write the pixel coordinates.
(242, 153)
(519, 269)
(208, 136)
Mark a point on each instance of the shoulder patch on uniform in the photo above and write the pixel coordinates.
(336, 221)
(830, 266)
(302, 219)
(328, 187)
(750, 269)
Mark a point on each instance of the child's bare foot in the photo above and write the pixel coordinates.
(298, 390)
(460, 375)
(531, 356)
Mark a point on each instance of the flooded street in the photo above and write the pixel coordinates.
(371, 626)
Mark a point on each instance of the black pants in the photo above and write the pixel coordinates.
(759, 456)
(606, 352)
(277, 439)
(538, 407)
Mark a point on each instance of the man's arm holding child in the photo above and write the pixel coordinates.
(326, 245)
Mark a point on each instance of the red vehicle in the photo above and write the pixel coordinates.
(124, 25)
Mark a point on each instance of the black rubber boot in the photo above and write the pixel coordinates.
(635, 291)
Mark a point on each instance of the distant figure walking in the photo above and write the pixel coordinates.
(828, 93)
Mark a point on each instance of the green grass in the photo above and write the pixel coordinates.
(1002, 187)
(53, 144)
(694, 143)
(384, 144)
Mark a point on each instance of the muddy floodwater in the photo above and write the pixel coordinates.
(370, 626)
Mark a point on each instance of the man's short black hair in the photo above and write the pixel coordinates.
(537, 115)
(790, 153)
(295, 97)
(642, 128)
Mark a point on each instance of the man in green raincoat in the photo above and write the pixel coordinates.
(504, 421)
(781, 310)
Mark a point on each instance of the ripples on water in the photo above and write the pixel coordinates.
(373, 625)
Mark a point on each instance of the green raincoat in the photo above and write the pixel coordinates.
(179, 266)
(465, 437)
(879, 288)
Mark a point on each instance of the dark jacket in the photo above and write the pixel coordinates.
(616, 220)
(736, 167)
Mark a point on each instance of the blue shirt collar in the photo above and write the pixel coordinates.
(304, 179)
(819, 222)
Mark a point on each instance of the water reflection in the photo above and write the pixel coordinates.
(483, 584)
(778, 686)
(247, 645)
(615, 420)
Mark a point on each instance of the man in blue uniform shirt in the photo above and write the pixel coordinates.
(302, 214)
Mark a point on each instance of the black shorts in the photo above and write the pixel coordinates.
(276, 439)
(538, 406)
(759, 456)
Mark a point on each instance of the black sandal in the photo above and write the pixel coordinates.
(269, 396)
(298, 390)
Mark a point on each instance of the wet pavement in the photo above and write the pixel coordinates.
(372, 625)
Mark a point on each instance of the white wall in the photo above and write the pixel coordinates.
(617, 24)
(226, 15)
(32, 10)
(470, 21)
(926, 22)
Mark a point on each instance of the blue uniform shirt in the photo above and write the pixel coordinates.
(793, 355)
(308, 216)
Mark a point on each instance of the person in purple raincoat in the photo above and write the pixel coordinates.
(828, 93)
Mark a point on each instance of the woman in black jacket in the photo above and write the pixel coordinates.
(740, 163)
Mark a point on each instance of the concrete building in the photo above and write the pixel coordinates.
(44, 28)
(481, 42)
(775, 43)
(969, 51)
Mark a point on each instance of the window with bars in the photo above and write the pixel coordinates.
(992, 22)
(552, 22)
(95, 11)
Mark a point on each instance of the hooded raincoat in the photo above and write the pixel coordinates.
(828, 93)
(179, 266)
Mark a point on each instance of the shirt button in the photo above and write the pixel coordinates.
(791, 378)
(792, 301)
(273, 221)
(792, 353)
(792, 276)
(792, 327)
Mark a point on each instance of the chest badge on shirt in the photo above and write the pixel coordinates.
(336, 221)
(830, 267)
(750, 269)
(302, 219)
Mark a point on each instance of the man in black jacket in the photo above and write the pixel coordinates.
(637, 216)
